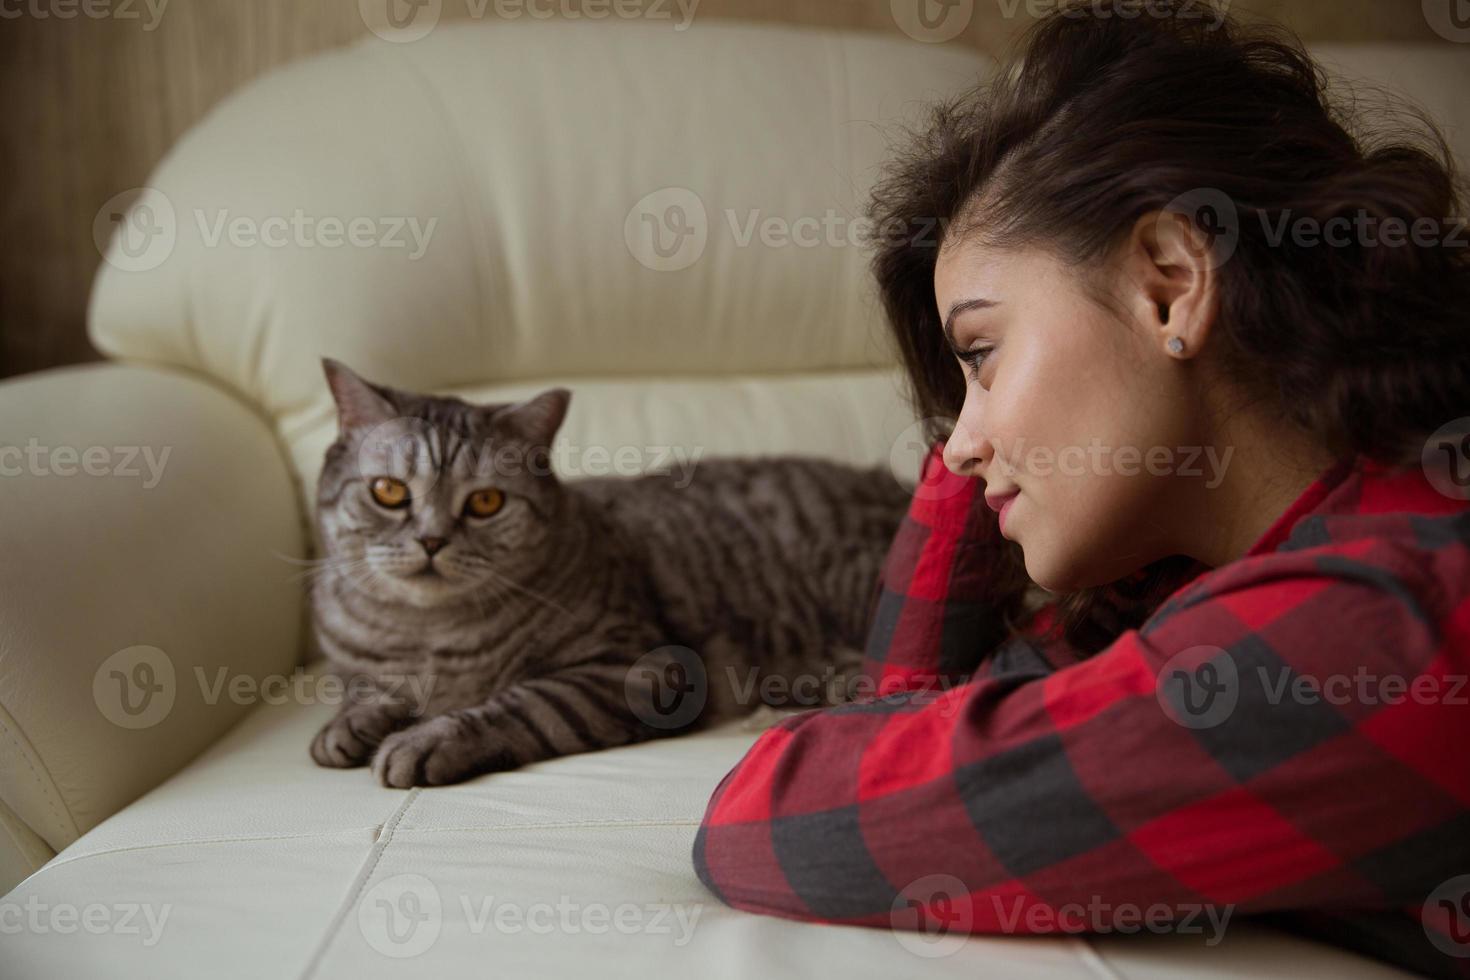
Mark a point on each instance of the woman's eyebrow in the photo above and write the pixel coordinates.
(961, 307)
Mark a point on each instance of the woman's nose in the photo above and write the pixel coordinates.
(966, 449)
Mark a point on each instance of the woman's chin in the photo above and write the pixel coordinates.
(1056, 573)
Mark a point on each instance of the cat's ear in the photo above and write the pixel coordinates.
(358, 402)
(537, 419)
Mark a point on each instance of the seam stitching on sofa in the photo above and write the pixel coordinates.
(1088, 954)
(48, 786)
(569, 825)
(62, 859)
(363, 876)
(22, 846)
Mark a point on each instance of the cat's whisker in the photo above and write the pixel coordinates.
(310, 562)
(315, 569)
(356, 574)
(497, 574)
(486, 566)
(500, 595)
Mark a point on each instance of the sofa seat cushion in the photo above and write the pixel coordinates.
(253, 862)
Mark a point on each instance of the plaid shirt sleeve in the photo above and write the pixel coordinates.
(945, 590)
(1187, 772)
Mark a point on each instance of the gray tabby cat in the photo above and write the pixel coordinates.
(497, 615)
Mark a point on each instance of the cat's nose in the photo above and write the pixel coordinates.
(431, 545)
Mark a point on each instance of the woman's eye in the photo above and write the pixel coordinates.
(389, 492)
(975, 358)
(483, 503)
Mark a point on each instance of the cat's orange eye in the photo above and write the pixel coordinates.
(483, 503)
(389, 492)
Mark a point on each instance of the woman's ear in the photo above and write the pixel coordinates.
(1173, 265)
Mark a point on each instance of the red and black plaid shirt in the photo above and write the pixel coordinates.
(1285, 734)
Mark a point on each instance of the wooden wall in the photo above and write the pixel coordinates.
(92, 103)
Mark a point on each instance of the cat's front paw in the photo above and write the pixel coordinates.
(350, 739)
(437, 752)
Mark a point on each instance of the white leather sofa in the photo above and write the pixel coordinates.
(171, 824)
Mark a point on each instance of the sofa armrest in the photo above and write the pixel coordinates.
(146, 519)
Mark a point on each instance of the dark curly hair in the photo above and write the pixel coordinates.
(1106, 113)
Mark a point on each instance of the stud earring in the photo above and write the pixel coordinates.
(1176, 345)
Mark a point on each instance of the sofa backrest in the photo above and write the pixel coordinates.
(669, 222)
(506, 182)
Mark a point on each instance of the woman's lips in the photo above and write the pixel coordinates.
(1001, 520)
(1001, 503)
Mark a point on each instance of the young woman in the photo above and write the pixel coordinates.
(1205, 350)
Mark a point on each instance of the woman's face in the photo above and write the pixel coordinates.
(1065, 409)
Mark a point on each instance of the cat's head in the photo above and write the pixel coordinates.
(428, 500)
